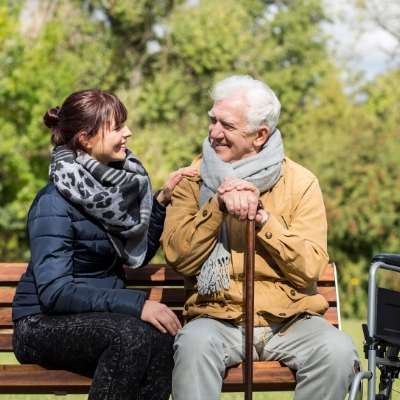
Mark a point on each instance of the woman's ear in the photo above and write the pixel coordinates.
(262, 137)
(84, 141)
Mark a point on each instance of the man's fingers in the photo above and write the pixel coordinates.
(244, 206)
(253, 203)
(236, 204)
(241, 204)
(228, 200)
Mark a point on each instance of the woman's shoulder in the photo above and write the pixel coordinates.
(49, 202)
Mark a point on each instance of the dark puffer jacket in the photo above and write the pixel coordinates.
(74, 267)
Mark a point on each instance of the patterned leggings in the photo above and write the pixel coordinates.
(126, 357)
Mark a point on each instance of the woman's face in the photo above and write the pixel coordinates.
(108, 145)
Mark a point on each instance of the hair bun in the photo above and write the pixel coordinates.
(51, 117)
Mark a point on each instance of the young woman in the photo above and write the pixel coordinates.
(71, 309)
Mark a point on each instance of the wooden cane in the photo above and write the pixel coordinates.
(249, 298)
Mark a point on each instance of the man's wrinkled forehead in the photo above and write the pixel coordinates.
(232, 109)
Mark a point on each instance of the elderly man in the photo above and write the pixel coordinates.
(243, 166)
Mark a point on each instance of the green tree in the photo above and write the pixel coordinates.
(37, 73)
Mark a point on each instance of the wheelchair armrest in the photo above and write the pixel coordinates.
(388, 258)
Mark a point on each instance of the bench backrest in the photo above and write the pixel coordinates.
(162, 283)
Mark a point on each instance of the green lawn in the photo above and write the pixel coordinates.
(352, 327)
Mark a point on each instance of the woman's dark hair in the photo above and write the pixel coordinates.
(85, 111)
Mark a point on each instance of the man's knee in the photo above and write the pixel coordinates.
(337, 351)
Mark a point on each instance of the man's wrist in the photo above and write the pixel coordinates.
(221, 205)
(265, 217)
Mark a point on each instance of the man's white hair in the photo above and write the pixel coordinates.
(263, 107)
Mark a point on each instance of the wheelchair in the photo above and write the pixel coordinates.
(382, 334)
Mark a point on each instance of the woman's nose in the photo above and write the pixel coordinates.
(126, 132)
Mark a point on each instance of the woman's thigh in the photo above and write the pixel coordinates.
(74, 341)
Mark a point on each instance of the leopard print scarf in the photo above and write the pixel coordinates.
(117, 195)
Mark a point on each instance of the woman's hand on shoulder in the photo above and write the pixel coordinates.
(164, 196)
(161, 317)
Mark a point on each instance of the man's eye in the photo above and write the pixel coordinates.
(228, 127)
(212, 120)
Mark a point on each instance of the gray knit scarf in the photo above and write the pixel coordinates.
(117, 195)
(263, 170)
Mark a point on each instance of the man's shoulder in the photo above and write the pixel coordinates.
(297, 172)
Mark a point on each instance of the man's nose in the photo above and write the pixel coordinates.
(216, 131)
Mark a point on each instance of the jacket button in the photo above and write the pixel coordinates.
(268, 235)
(204, 213)
(282, 314)
(292, 292)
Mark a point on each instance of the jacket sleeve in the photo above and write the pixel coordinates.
(300, 249)
(190, 232)
(52, 253)
(155, 230)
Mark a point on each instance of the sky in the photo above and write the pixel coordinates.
(357, 41)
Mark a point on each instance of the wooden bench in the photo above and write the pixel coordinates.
(164, 285)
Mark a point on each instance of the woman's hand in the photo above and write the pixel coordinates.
(161, 317)
(164, 197)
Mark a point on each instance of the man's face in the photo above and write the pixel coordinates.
(227, 130)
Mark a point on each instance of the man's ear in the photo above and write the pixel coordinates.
(262, 137)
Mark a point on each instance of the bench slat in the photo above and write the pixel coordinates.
(10, 274)
(170, 296)
(27, 378)
(34, 379)
(276, 374)
(6, 322)
(6, 342)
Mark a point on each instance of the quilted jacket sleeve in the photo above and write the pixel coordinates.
(52, 253)
(155, 230)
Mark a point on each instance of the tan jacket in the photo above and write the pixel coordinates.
(291, 249)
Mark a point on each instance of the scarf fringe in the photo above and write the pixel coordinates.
(214, 276)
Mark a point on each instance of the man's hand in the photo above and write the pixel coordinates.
(241, 199)
(241, 204)
(160, 316)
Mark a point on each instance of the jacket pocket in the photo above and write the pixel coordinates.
(292, 293)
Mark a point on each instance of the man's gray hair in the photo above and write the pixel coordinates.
(263, 107)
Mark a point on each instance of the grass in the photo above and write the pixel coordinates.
(352, 327)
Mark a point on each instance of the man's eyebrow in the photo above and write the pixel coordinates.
(211, 113)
